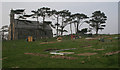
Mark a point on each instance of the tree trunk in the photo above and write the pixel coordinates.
(2, 35)
(96, 31)
(57, 27)
(43, 18)
(78, 24)
(61, 31)
(38, 24)
(37, 18)
(44, 26)
(62, 27)
(75, 28)
(71, 28)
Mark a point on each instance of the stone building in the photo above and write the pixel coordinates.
(21, 29)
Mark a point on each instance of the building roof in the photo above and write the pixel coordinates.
(27, 24)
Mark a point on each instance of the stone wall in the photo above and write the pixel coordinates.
(35, 33)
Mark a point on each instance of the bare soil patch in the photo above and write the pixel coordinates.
(64, 57)
(51, 49)
(47, 42)
(36, 54)
(3, 58)
(111, 53)
(87, 46)
(98, 49)
(86, 54)
(16, 67)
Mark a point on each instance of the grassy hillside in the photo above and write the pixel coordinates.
(13, 53)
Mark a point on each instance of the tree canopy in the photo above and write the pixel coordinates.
(97, 21)
(64, 18)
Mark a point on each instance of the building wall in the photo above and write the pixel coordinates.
(11, 27)
(36, 34)
(21, 29)
(9, 33)
(20, 33)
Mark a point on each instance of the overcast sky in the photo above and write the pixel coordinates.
(109, 8)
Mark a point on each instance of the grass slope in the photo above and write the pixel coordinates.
(14, 51)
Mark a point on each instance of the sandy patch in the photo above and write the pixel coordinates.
(3, 58)
(36, 54)
(111, 53)
(86, 54)
(95, 49)
(51, 49)
(87, 46)
(15, 67)
(64, 57)
(98, 49)
(47, 42)
(90, 38)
